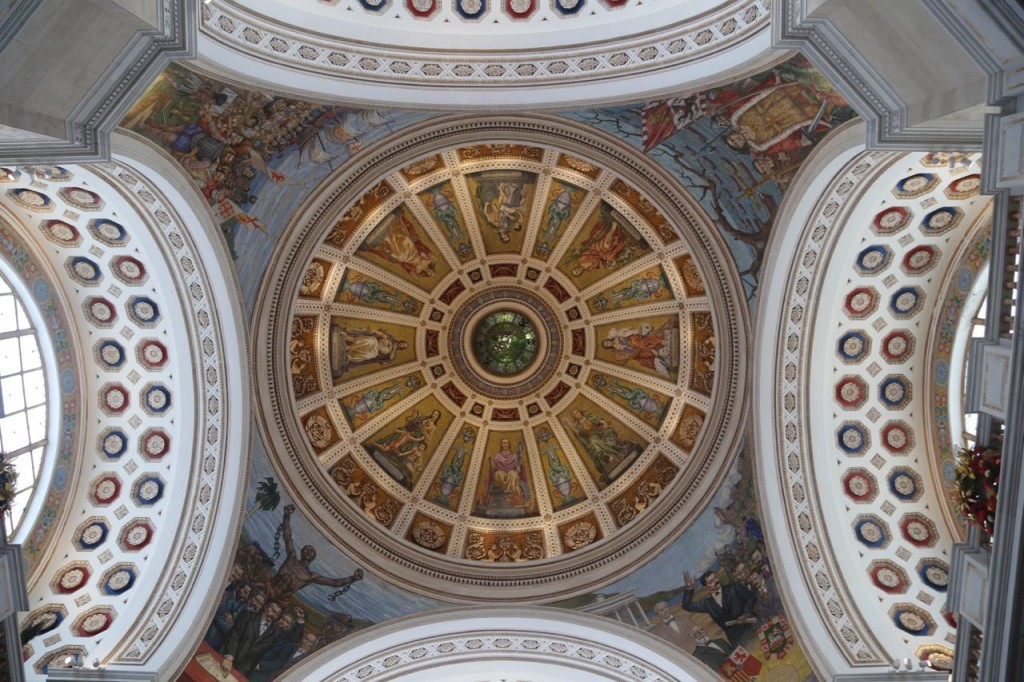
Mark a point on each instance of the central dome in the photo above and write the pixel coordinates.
(503, 365)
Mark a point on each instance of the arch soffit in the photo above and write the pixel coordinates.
(449, 639)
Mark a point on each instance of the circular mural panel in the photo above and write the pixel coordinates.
(501, 365)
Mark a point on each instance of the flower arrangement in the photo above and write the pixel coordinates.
(977, 479)
(8, 477)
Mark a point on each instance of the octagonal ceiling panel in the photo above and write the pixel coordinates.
(500, 364)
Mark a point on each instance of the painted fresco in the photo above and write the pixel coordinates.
(502, 201)
(563, 201)
(360, 347)
(604, 243)
(735, 147)
(404, 446)
(285, 573)
(505, 486)
(447, 488)
(253, 156)
(648, 344)
(650, 286)
(441, 202)
(606, 445)
(713, 592)
(563, 486)
(400, 245)
(363, 405)
(648, 405)
(360, 289)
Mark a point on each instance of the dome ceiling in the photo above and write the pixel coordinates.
(506, 358)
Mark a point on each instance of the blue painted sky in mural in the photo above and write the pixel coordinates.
(694, 552)
(278, 201)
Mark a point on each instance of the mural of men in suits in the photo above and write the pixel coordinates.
(251, 637)
(711, 652)
(279, 655)
(730, 606)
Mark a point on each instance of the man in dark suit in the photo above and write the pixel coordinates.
(251, 636)
(711, 652)
(730, 606)
(290, 626)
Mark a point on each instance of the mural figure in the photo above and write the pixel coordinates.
(612, 242)
(610, 452)
(397, 241)
(563, 199)
(294, 574)
(645, 404)
(652, 348)
(730, 606)
(252, 635)
(354, 347)
(651, 286)
(364, 290)
(284, 654)
(506, 489)
(500, 198)
(404, 448)
(711, 652)
(361, 406)
(234, 601)
(452, 475)
(559, 474)
(447, 213)
(226, 138)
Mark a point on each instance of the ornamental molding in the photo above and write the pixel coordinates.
(556, 638)
(452, 579)
(17, 14)
(196, 561)
(787, 441)
(90, 123)
(882, 109)
(691, 41)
